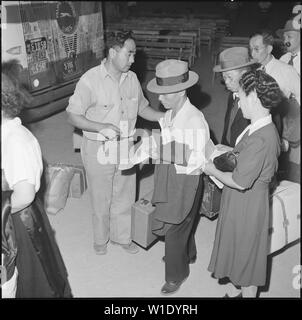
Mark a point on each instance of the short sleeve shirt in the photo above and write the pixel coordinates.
(21, 154)
(101, 98)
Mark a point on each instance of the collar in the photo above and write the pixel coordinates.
(179, 116)
(270, 64)
(297, 54)
(260, 123)
(235, 95)
(8, 125)
(105, 73)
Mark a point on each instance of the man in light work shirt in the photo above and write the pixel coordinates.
(105, 96)
(291, 38)
(261, 46)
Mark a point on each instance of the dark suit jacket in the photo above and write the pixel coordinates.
(238, 125)
(173, 197)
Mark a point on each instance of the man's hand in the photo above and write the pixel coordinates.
(109, 131)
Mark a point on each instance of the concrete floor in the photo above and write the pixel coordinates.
(119, 274)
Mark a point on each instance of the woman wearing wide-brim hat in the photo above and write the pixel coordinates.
(177, 183)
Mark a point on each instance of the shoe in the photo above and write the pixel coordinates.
(171, 287)
(130, 247)
(100, 249)
(191, 261)
(235, 297)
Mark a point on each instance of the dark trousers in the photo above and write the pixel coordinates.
(180, 244)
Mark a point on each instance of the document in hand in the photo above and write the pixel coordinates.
(146, 150)
(212, 151)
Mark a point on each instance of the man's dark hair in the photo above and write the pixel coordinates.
(117, 39)
(267, 37)
(266, 87)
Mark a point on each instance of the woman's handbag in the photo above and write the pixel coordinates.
(227, 161)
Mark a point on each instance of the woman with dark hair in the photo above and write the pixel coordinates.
(241, 241)
(30, 256)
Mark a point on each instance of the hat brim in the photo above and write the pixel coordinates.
(280, 32)
(152, 86)
(219, 69)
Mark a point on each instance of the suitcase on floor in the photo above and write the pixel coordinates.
(141, 221)
(285, 216)
(211, 196)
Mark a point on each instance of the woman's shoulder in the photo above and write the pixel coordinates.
(266, 135)
(22, 137)
(269, 130)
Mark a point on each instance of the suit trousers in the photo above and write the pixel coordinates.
(112, 194)
(180, 245)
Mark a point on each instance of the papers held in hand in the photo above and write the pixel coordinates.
(212, 151)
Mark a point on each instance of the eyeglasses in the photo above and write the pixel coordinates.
(257, 49)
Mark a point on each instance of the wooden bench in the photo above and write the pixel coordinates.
(160, 47)
(207, 33)
(162, 28)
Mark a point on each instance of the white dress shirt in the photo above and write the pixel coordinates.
(296, 61)
(188, 127)
(286, 77)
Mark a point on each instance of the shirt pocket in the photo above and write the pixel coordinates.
(98, 111)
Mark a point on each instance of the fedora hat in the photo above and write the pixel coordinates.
(289, 26)
(233, 58)
(172, 76)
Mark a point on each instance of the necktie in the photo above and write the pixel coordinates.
(291, 60)
(232, 117)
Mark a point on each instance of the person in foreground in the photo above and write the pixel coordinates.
(177, 182)
(241, 240)
(34, 258)
(106, 97)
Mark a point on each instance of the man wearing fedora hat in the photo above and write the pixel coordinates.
(233, 63)
(177, 182)
(291, 39)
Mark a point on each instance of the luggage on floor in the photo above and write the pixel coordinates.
(78, 182)
(211, 196)
(57, 178)
(141, 221)
(62, 181)
(285, 216)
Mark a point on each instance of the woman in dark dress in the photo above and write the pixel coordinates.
(241, 241)
(28, 241)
